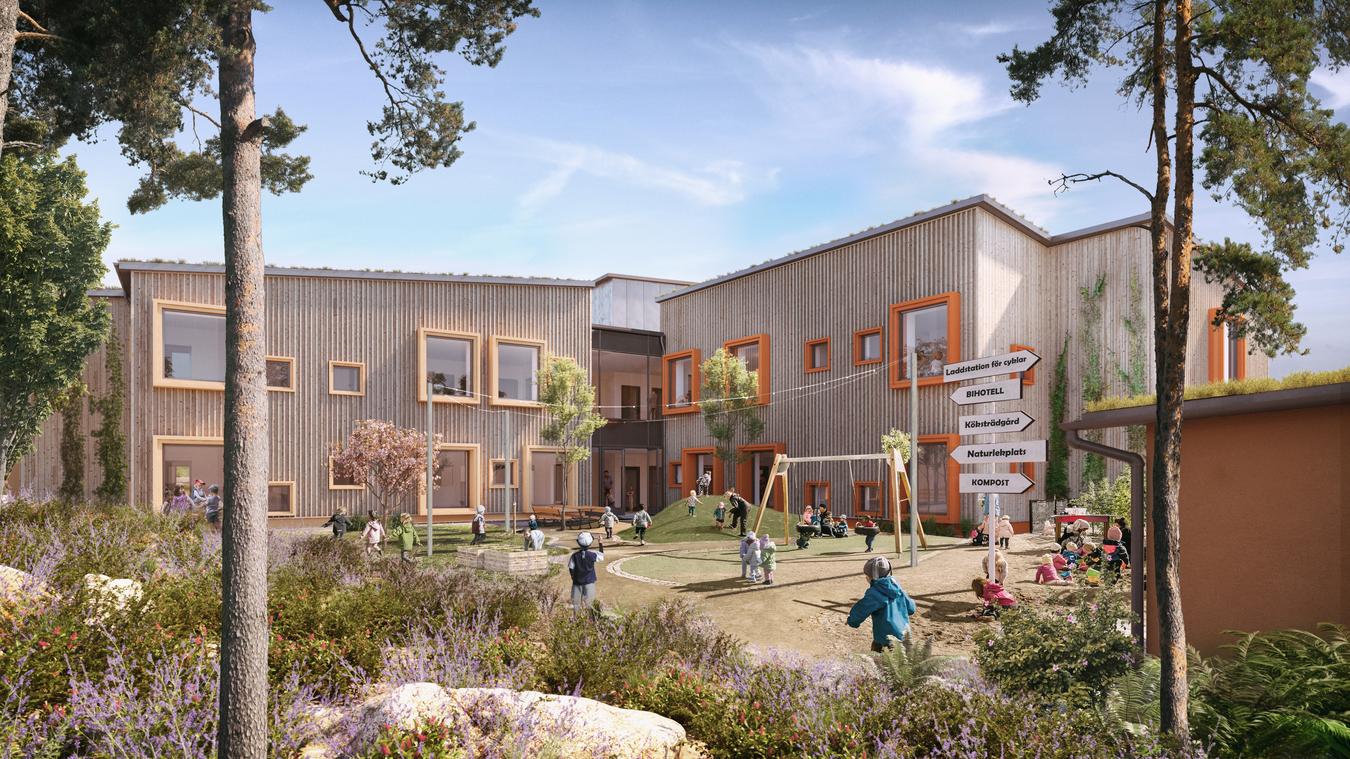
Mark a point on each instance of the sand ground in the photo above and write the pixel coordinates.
(806, 608)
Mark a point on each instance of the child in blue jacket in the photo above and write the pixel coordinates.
(885, 602)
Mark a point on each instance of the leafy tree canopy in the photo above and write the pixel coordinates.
(51, 248)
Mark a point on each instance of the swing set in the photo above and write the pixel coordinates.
(782, 464)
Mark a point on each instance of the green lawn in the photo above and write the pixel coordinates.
(449, 538)
(674, 525)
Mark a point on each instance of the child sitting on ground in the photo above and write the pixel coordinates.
(1061, 566)
(885, 602)
(1000, 565)
(1070, 554)
(1091, 556)
(720, 514)
(995, 598)
(1046, 573)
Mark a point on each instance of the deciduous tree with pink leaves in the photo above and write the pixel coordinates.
(389, 460)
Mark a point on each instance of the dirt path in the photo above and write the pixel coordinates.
(806, 608)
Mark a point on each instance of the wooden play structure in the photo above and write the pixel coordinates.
(898, 479)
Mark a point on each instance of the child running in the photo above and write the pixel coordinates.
(720, 514)
(373, 537)
(607, 521)
(641, 521)
(340, 521)
(885, 602)
(692, 502)
(407, 537)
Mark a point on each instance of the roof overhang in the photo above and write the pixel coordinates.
(1227, 405)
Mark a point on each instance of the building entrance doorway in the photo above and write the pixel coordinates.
(632, 487)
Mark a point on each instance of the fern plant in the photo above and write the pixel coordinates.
(1284, 693)
(1133, 702)
(908, 665)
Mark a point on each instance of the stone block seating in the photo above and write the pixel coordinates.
(498, 560)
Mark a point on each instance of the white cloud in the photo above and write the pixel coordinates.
(717, 183)
(987, 29)
(1337, 85)
(924, 115)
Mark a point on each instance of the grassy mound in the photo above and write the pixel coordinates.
(674, 525)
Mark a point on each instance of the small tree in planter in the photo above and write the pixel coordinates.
(569, 402)
(389, 460)
(729, 400)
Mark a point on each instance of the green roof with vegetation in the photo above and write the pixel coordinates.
(1294, 381)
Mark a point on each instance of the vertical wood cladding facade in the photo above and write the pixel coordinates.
(1015, 287)
(320, 317)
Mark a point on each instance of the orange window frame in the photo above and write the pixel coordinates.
(762, 373)
(1029, 376)
(857, 346)
(693, 355)
(896, 311)
(811, 490)
(1027, 469)
(858, 486)
(675, 474)
(1216, 348)
(807, 350)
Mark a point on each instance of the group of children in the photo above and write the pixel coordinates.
(374, 533)
(759, 558)
(207, 499)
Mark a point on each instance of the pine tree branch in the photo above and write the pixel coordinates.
(1065, 180)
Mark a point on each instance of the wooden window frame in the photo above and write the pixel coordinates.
(1029, 376)
(762, 373)
(693, 355)
(858, 485)
(675, 474)
(357, 364)
(1217, 343)
(475, 483)
(475, 361)
(294, 377)
(157, 443)
(857, 346)
(813, 487)
(289, 484)
(512, 473)
(493, 344)
(806, 356)
(894, 321)
(333, 486)
(157, 345)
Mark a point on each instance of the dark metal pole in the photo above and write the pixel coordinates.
(1137, 562)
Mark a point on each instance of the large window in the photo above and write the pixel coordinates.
(448, 360)
(183, 461)
(867, 346)
(189, 345)
(681, 382)
(281, 373)
(515, 371)
(931, 328)
(753, 351)
(452, 490)
(346, 378)
(816, 355)
(1227, 351)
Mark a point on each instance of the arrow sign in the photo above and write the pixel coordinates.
(989, 366)
(1000, 453)
(994, 483)
(988, 392)
(980, 424)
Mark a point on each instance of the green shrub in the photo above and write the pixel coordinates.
(1099, 497)
(1056, 656)
(908, 665)
(1284, 693)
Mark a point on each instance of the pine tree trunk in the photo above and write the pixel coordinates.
(9, 19)
(243, 614)
(1170, 332)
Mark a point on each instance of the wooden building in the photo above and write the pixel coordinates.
(828, 328)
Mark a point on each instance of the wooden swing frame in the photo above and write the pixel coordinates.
(782, 462)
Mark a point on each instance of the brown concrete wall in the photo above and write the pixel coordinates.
(1264, 523)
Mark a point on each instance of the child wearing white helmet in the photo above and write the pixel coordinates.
(749, 556)
(581, 566)
(478, 527)
(608, 520)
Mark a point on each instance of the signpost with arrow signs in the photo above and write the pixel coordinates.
(979, 424)
(995, 483)
(988, 392)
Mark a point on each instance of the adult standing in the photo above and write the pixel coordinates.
(581, 566)
(740, 509)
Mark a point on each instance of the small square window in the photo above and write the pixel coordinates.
(817, 355)
(499, 473)
(867, 346)
(281, 373)
(346, 378)
(281, 499)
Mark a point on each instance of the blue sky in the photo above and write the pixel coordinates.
(690, 139)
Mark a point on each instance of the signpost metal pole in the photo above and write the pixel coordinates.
(431, 459)
(512, 472)
(989, 531)
(913, 460)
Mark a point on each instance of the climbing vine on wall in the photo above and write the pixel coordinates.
(1057, 468)
(72, 442)
(1093, 377)
(1134, 372)
(112, 442)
